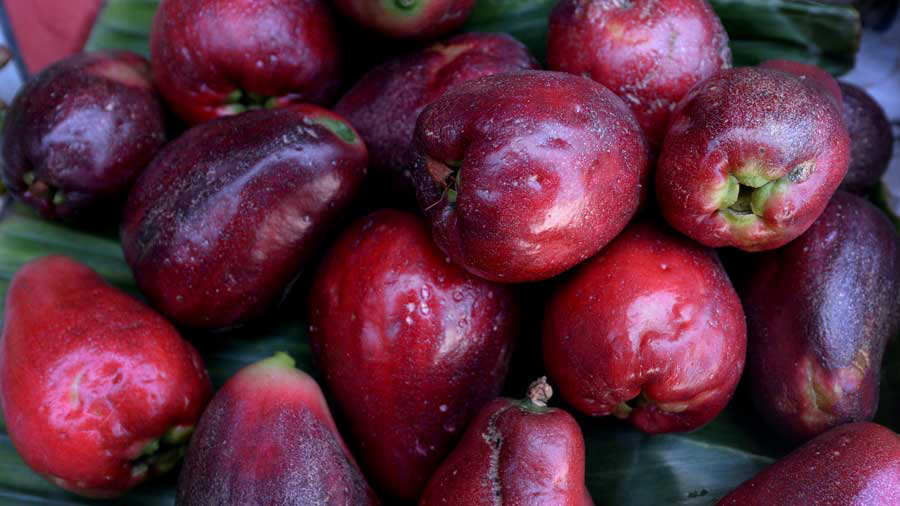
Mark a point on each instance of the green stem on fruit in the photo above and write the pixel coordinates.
(279, 359)
(405, 4)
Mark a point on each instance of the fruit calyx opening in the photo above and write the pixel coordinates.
(747, 191)
(405, 4)
(447, 175)
(239, 101)
(161, 454)
(41, 190)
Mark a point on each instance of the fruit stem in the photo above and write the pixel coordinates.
(540, 392)
(279, 359)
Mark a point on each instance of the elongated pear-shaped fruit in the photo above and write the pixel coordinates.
(98, 391)
(857, 464)
(268, 438)
(515, 452)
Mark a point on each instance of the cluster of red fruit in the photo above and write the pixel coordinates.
(521, 175)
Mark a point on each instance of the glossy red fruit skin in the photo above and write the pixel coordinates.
(514, 452)
(408, 19)
(811, 73)
(774, 139)
(410, 346)
(820, 312)
(82, 131)
(384, 104)
(550, 168)
(648, 52)
(203, 51)
(268, 437)
(89, 376)
(223, 220)
(852, 465)
(652, 315)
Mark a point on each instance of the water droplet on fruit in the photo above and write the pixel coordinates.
(443, 408)
(425, 292)
(664, 267)
(179, 298)
(409, 320)
(259, 64)
(458, 295)
(462, 322)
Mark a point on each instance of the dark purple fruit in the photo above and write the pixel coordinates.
(79, 133)
(225, 217)
(871, 139)
(820, 312)
(268, 438)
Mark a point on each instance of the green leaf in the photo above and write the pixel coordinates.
(123, 24)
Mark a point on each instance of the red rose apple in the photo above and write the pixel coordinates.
(524, 175)
(410, 345)
(385, 103)
(648, 52)
(751, 158)
(98, 391)
(215, 58)
(650, 330)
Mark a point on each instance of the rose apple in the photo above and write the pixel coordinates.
(410, 345)
(223, 220)
(811, 73)
(78, 134)
(649, 330)
(268, 438)
(98, 392)
(416, 19)
(820, 312)
(523, 175)
(751, 158)
(215, 58)
(852, 465)
(384, 105)
(515, 452)
(648, 52)
(871, 139)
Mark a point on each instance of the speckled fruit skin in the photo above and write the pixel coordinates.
(225, 217)
(410, 345)
(89, 377)
(751, 158)
(648, 52)
(524, 175)
(649, 330)
(810, 73)
(78, 134)
(820, 312)
(871, 139)
(852, 465)
(214, 58)
(268, 437)
(514, 452)
(384, 104)
(408, 19)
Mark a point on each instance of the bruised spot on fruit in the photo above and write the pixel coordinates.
(74, 398)
(339, 128)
